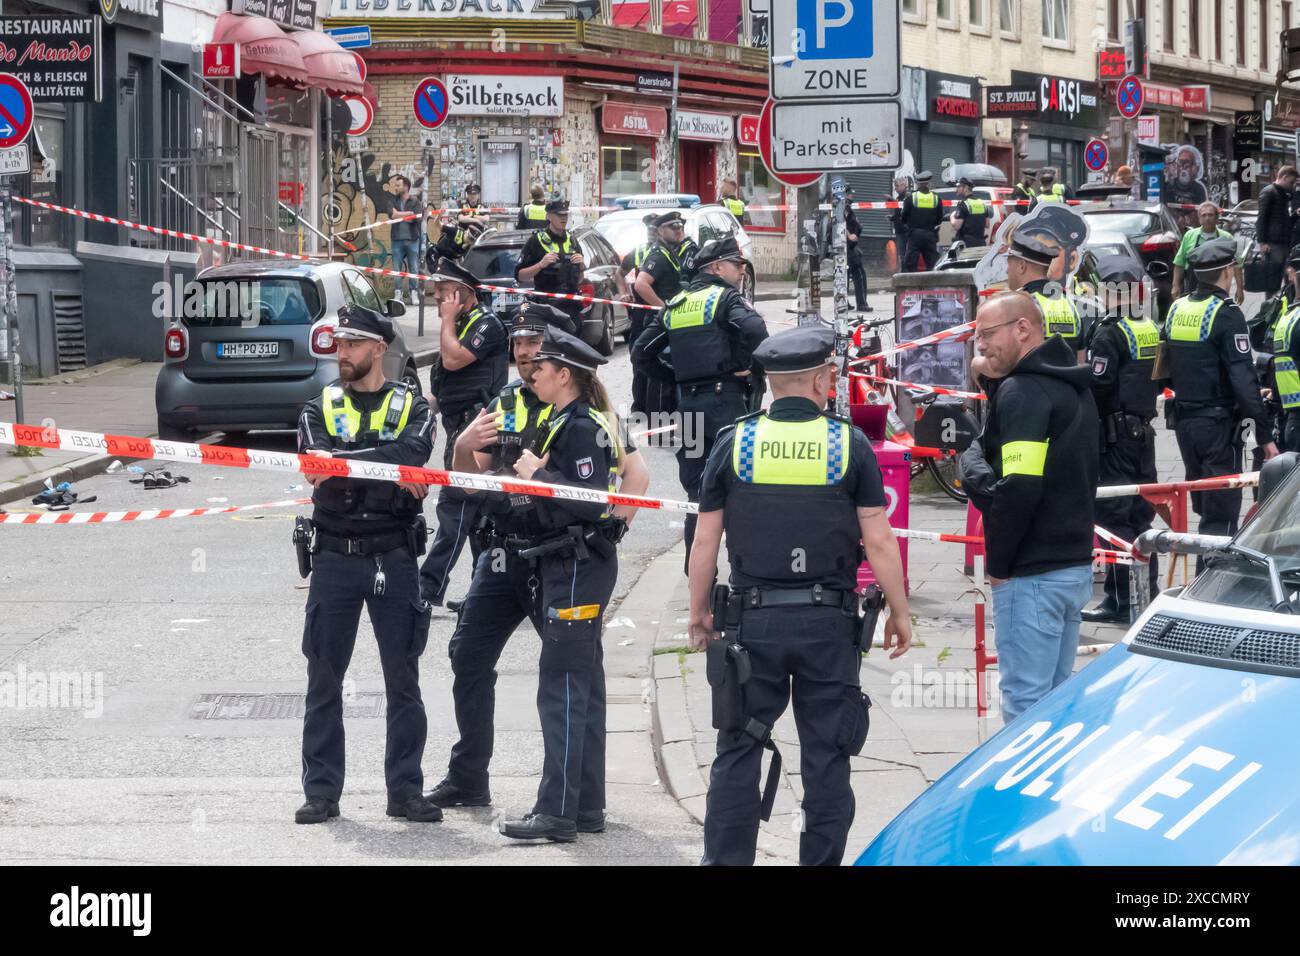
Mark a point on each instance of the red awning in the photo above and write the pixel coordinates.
(263, 47)
(329, 66)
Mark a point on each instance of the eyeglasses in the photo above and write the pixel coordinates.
(982, 335)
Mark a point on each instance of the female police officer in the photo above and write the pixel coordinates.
(577, 565)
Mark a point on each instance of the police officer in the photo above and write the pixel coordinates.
(1122, 357)
(731, 201)
(1050, 190)
(471, 368)
(1029, 260)
(504, 587)
(853, 254)
(1025, 190)
(666, 267)
(971, 217)
(797, 494)
(921, 215)
(1286, 358)
(462, 227)
(712, 333)
(552, 260)
(533, 215)
(361, 547)
(577, 564)
(1215, 386)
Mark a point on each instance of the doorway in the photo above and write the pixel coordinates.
(501, 171)
(697, 172)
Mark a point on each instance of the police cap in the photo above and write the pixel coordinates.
(1117, 268)
(796, 350)
(560, 346)
(1028, 174)
(925, 176)
(671, 219)
(1032, 249)
(719, 250)
(1214, 256)
(650, 219)
(1293, 257)
(358, 322)
(449, 270)
(558, 206)
(1060, 222)
(534, 318)
(473, 188)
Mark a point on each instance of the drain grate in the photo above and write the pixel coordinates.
(278, 706)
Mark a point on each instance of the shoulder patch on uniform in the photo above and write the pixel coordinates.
(477, 341)
(1243, 343)
(1100, 364)
(586, 467)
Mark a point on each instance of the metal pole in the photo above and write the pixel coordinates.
(839, 246)
(673, 139)
(8, 279)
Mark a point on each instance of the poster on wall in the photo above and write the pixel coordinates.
(59, 58)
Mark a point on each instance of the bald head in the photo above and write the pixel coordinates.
(1008, 326)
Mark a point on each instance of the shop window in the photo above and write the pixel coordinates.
(758, 188)
(1056, 20)
(627, 167)
(1009, 18)
(1060, 153)
(46, 182)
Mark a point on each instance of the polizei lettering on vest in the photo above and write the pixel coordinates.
(794, 450)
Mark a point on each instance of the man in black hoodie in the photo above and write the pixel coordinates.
(1033, 475)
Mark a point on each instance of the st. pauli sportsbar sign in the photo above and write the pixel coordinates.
(59, 58)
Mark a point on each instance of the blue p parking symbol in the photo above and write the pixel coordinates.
(836, 29)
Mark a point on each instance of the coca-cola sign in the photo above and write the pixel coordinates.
(58, 57)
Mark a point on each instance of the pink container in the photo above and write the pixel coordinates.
(896, 469)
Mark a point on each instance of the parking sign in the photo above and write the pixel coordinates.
(835, 50)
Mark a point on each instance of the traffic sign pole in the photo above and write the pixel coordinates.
(839, 246)
(9, 291)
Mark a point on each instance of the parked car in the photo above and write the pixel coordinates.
(625, 230)
(1172, 748)
(1117, 245)
(1149, 225)
(1240, 219)
(662, 201)
(263, 346)
(495, 256)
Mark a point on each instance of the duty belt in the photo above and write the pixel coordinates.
(369, 545)
(719, 386)
(815, 596)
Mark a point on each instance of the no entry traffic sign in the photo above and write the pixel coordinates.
(1129, 97)
(1095, 155)
(431, 103)
(15, 110)
(362, 113)
(793, 180)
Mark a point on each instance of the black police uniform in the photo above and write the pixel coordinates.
(789, 483)
(974, 217)
(921, 215)
(1215, 387)
(857, 273)
(1285, 335)
(1025, 196)
(367, 537)
(461, 393)
(712, 333)
(1122, 358)
(669, 266)
(573, 577)
(561, 276)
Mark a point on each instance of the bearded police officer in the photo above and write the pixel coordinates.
(712, 333)
(1286, 357)
(1122, 358)
(360, 547)
(552, 261)
(921, 215)
(1029, 259)
(664, 270)
(504, 588)
(1215, 387)
(472, 361)
(797, 493)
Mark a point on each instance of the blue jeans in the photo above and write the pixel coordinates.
(406, 258)
(1036, 626)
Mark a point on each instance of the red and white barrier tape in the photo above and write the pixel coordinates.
(391, 221)
(1204, 484)
(117, 517)
(957, 333)
(936, 389)
(124, 446)
(1110, 557)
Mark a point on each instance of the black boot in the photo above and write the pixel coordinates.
(448, 794)
(1107, 612)
(541, 826)
(417, 810)
(591, 821)
(316, 810)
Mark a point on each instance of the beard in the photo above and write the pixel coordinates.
(355, 371)
(527, 369)
(1184, 176)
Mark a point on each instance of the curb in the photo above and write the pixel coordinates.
(77, 470)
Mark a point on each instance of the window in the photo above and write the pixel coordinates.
(627, 167)
(46, 182)
(1112, 20)
(1009, 17)
(1218, 30)
(1194, 27)
(1264, 41)
(1170, 45)
(758, 188)
(1056, 20)
(946, 12)
(914, 10)
(978, 13)
(1286, 16)
(362, 292)
(1241, 32)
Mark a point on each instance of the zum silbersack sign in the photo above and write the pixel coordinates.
(59, 58)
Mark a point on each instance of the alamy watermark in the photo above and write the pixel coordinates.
(22, 689)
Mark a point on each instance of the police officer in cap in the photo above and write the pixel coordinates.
(1122, 357)
(971, 217)
(666, 268)
(1025, 190)
(712, 333)
(921, 215)
(1029, 260)
(360, 547)
(1212, 373)
(797, 494)
(575, 564)
(1286, 357)
(471, 368)
(504, 588)
(552, 260)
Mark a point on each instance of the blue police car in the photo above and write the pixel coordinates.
(1177, 746)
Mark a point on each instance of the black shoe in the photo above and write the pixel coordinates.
(540, 826)
(417, 810)
(455, 606)
(447, 794)
(1107, 613)
(591, 821)
(316, 810)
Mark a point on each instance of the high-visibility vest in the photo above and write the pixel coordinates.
(1190, 321)
(1059, 316)
(535, 212)
(343, 418)
(550, 245)
(1056, 195)
(925, 200)
(977, 207)
(734, 206)
(1284, 366)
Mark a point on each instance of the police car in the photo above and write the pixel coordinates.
(1176, 747)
